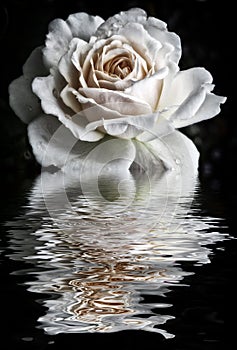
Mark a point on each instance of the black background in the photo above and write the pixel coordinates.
(207, 31)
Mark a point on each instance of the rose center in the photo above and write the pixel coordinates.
(119, 67)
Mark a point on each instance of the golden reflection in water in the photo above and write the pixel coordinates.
(99, 254)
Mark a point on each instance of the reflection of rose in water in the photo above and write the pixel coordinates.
(100, 261)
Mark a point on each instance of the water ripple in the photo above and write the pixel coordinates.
(97, 255)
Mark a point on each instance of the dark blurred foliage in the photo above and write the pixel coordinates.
(206, 31)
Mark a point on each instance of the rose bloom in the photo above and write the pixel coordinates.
(94, 80)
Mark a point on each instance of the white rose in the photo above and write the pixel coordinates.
(118, 77)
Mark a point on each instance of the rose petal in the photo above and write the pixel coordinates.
(124, 104)
(92, 78)
(183, 151)
(148, 158)
(61, 32)
(82, 59)
(165, 60)
(91, 59)
(81, 50)
(154, 29)
(57, 41)
(118, 46)
(128, 127)
(44, 87)
(142, 42)
(111, 83)
(174, 152)
(78, 126)
(189, 106)
(40, 132)
(21, 98)
(114, 23)
(69, 99)
(34, 65)
(161, 128)
(158, 30)
(110, 154)
(177, 89)
(92, 110)
(83, 26)
(123, 130)
(209, 108)
(149, 89)
(66, 67)
(54, 145)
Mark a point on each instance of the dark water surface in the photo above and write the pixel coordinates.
(141, 260)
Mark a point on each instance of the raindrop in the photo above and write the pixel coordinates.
(27, 155)
(30, 108)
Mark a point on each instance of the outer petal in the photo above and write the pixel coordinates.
(22, 100)
(57, 42)
(109, 154)
(162, 127)
(174, 152)
(54, 145)
(209, 108)
(149, 158)
(66, 67)
(125, 104)
(61, 32)
(114, 23)
(158, 30)
(34, 65)
(83, 26)
(199, 106)
(190, 105)
(44, 88)
(94, 111)
(78, 126)
(187, 99)
(176, 89)
(127, 127)
(183, 151)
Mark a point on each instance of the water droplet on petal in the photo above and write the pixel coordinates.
(177, 161)
(30, 108)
